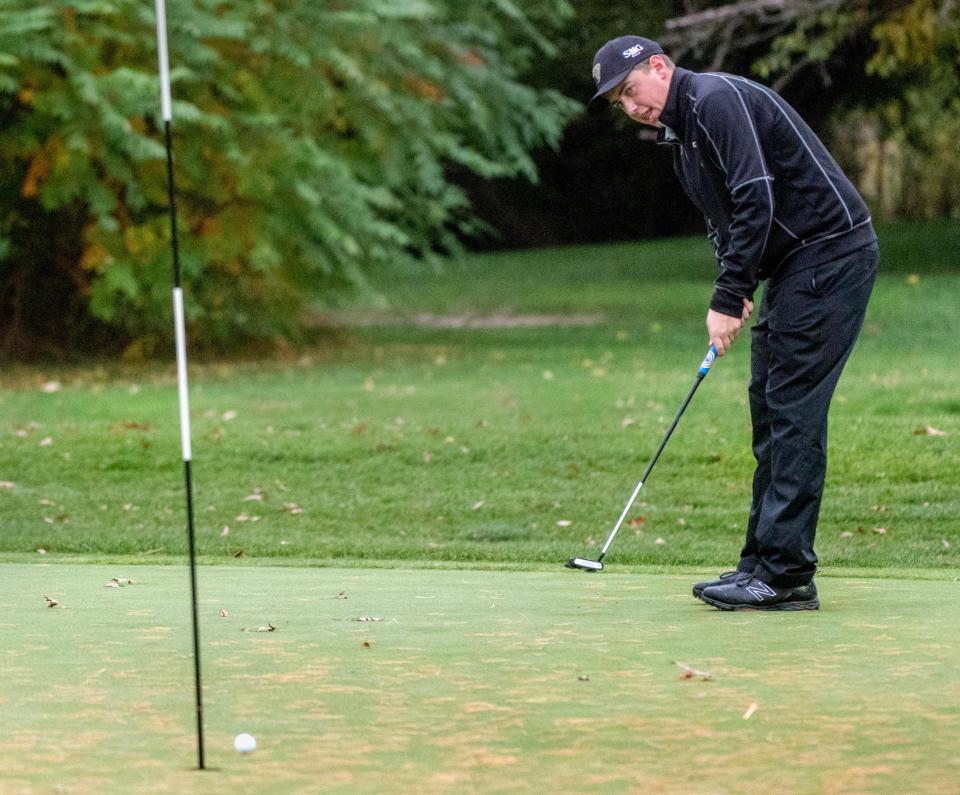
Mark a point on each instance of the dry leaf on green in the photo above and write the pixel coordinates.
(267, 628)
(692, 673)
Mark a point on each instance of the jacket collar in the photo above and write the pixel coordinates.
(675, 110)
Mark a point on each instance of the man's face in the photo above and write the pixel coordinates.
(644, 93)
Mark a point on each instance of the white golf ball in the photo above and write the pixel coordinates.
(245, 743)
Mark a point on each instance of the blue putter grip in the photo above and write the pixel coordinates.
(708, 360)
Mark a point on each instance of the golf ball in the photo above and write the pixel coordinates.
(245, 743)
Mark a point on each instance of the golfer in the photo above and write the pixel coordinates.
(779, 210)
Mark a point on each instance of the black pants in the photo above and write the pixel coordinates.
(806, 327)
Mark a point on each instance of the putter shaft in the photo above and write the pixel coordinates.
(701, 374)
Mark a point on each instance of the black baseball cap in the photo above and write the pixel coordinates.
(616, 59)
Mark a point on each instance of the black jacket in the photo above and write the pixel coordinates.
(774, 199)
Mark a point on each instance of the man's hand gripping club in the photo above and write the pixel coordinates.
(723, 329)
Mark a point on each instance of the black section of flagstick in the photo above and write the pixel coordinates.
(196, 622)
(172, 202)
(188, 478)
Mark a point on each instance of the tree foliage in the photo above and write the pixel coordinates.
(312, 144)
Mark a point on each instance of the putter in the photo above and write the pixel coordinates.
(597, 565)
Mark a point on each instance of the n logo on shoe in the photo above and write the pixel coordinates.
(760, 589)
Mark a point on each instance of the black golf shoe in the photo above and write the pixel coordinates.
(699, 587)
(746, 592)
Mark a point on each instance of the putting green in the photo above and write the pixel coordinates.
(452, 681)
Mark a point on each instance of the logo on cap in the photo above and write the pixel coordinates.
(633, 51)
(596, 73)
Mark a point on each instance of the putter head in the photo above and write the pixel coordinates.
(583, 563)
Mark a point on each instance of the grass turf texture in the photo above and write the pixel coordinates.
(500, 445)
(472, 681)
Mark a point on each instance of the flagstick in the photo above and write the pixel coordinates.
(181, 361)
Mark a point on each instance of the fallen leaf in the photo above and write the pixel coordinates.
(121, 427)
(52, 602)
(245, 518)
(46, 442)
(291, 508)
(690, 673)
(846, 534)
(229, 415)
(123, 581)
(367, 618)
(922, 430)
(583, 678)
(880, 531)
(6, 485)
(341, 595)
(626, 422)
(255, 496)
(367, 644)
(225, 531)
(427, 455)
(946, 544)
(237, 553)
(913, 279)
(224, 613)
(50, 387)
(547, 375)
(750, 710)
(267, 628)
(478, 505)
(41, 551)
(659, 541)
(564, 523)
(637, 521)
(111, 584)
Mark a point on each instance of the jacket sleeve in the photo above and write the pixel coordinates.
(731, 128)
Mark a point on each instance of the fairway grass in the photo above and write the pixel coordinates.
(472, 681)
(511, 446)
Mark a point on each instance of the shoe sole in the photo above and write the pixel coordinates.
(813, 604)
